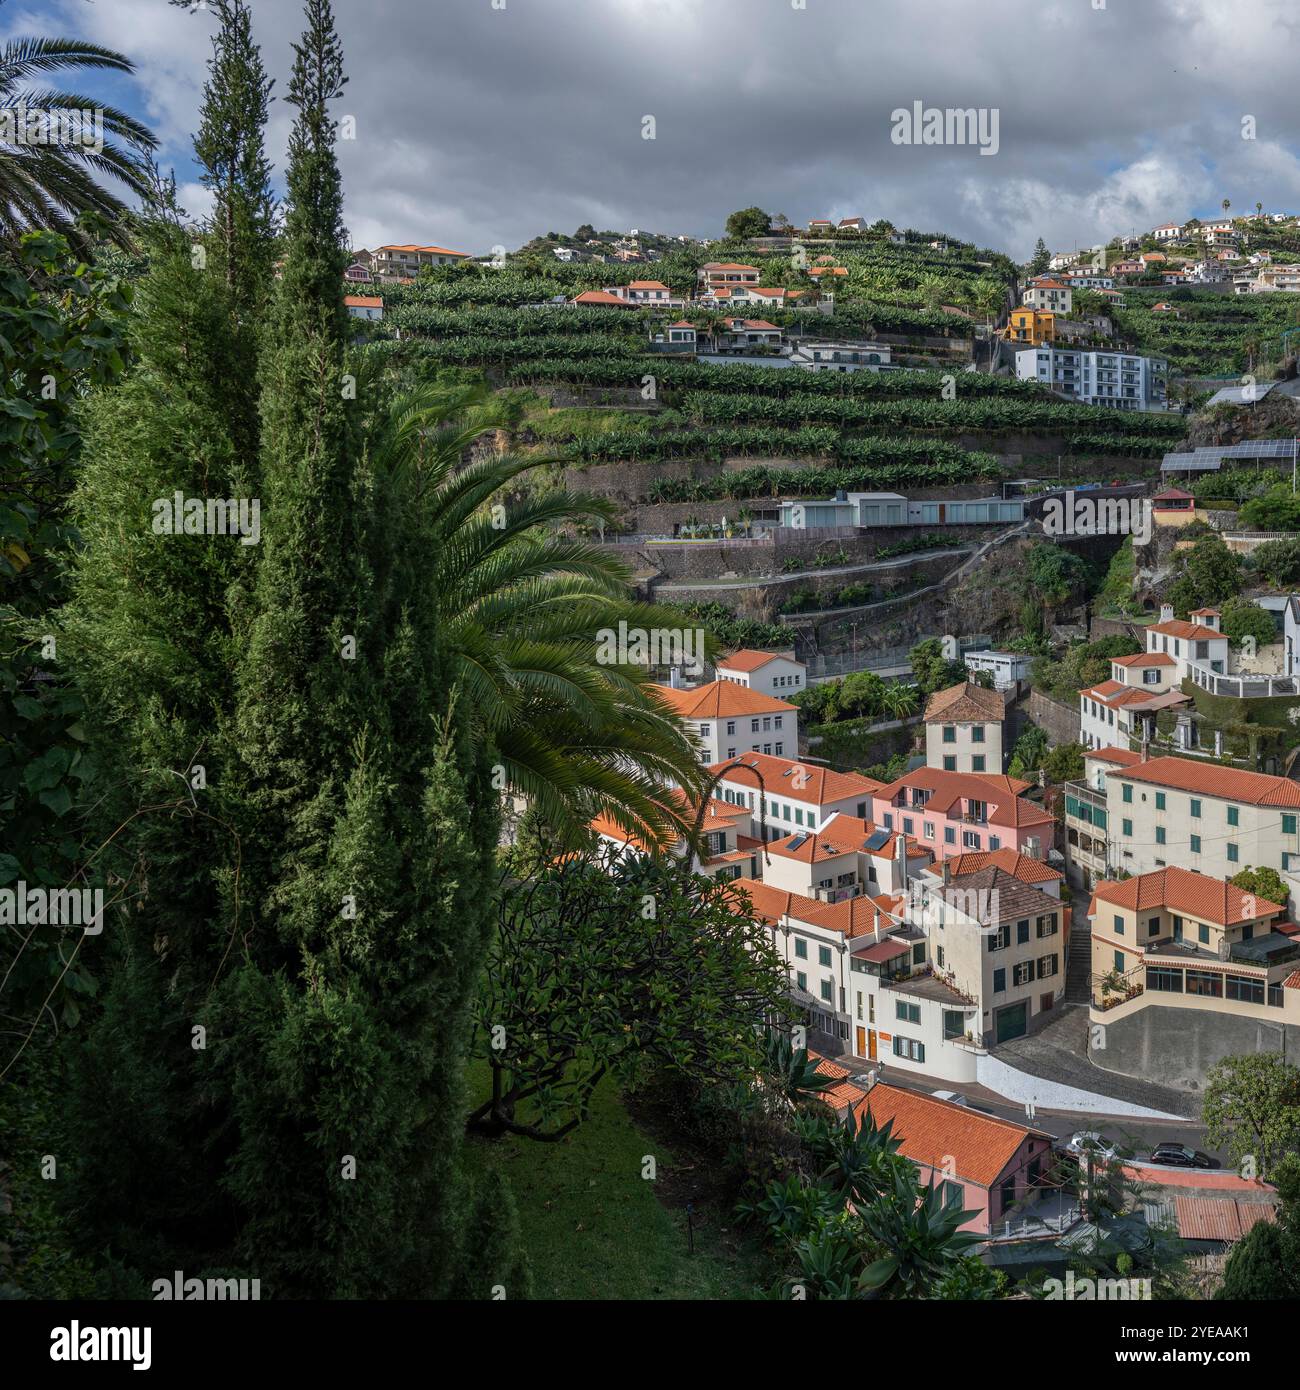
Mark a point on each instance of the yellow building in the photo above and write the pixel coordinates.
(1031, 327)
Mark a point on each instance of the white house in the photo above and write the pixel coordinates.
(770, 673)
(1125, 706)
(1045, 293)
(1195, 643)
(364, 306)
(1008, 669)
(1168, 231)
(963, 729)
(841, 357)
(728, 720)
(847, 858)
(792, 795)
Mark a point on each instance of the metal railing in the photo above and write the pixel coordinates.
(1242, 687)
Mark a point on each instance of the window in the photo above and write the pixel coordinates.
(1160, 801)
(731, 726)
(1160, 834)
(949, 835)
(1119, 961)
(753, 726)
(929, 829)
(801, 980)
(994, 842)
(950, 733)
(704, 730)
(970, 840)
(999, 981)
(1046, 924)
(801, 948)
(1128, 791)
(1288, 825)
(909, 1013)
(862, 810)
(1046, 966)
(905, 1047)
(1233, 816)
(1245, 989)
(1119, 925)
(977, 733)
(1022, 932)
(1165, 980)
(949, 764)
(888, 820)
(1153, 927)
(954, 1024)
(778, 719)
(1196, 809)
(780, 750)
(823, 955)
(908, 825)
(1202, 933)
(977, 763)
(1022, 972)
(1205, 983)
(1232, 853)
(828, 991)
(1196, 844)
(1127, 826)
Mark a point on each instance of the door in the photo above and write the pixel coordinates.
(1012, 1022)
(861, 1048)
(871, 1044)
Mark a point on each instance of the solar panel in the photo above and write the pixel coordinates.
(877, 840)
(798, 841)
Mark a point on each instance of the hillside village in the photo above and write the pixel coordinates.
(1004, 564)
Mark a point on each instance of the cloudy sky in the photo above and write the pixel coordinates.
(485, 122)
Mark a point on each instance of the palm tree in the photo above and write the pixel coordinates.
(47, 180)
(899, 700)
(522, 608)
(1226, 205)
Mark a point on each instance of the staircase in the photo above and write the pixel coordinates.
(1078, 969)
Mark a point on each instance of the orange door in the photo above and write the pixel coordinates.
(861, 1048)
(871, 1044)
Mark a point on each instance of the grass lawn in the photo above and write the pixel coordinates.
(594, 1228)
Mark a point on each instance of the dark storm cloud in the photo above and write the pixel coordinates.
(480, 125)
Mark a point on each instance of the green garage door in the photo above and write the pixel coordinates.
(1013, 1021)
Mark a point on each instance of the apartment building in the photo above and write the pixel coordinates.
(1122, 380)
(1202, 816)
(991, 1167)
(1196, 641)
(728, 720)
(1125, 706)
(1170, 941)
(1167, 231)
(1046, 294)
(849, 857)
(405, 262)
(1031, 327)
(728, 849)
(770, 673)
(952, 813)
(714, 274)
(1086, 820)
(963, 729)
(645, 293)
(790, 795)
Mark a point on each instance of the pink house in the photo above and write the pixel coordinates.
(988, 1164)
(952, 813)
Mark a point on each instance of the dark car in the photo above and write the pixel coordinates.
(1180, 1156)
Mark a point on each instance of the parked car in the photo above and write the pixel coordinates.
(1086, 1141)
(1180, 1156)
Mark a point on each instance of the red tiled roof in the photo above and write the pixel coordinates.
(1218, 1218)
(1180, 890)
(748, 659)
(1123, 757)
(1011, 861)
(363, 301)
(1001, 794)
(965, 702)
(857, 916)
(768, 904)
(599, 297)
(941, 1135)
(1144, 659)
(798, 781)
(1174, 494)
(1228, 783)
(882, 951)
(719, 700)
(646, 285)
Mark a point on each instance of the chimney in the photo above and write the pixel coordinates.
(876, 930)
(900, 858)
(946, 868)
(1166, 612)
(1146, 747)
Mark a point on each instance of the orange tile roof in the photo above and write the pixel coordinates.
(748, 659)
(728, 265)
(431, 250)
(841, 834)
(941, 1135)
(964, 702)
(1228, 783)
(1117, 695)
(363, 301)
(1218, 1218)
(1144, 659)
(1011, 861)
(720, 700)
(754, 323)
(645, 285)
(1001, 794)
(1180, 890)
(859, 916)
(1123, 757)
(599, 297)
(1192, 632)
(768, 904)
(781, 777)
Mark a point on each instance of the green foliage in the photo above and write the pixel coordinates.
(606, 966)
(1241, 618)
(1064, 763)
(1265, 1263)
(1278, 510)
(1277, 562)
(1028, 754)
(748, 222)
(1264, 882)
(1210, 574)
(932, 669)
(1084, 664)
(1251, 1109)
(1053, 574)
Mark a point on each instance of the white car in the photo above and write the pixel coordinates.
(1087, 1141)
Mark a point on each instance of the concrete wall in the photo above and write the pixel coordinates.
(1059, 722)
(1180, 1045)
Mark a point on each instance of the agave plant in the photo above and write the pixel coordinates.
(50, 153)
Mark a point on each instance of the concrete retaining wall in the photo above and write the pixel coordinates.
(1059, 722)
